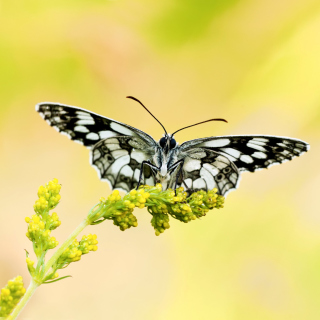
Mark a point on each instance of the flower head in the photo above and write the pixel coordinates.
(10, 295)
(42, 223)
(78, 248)
(160, 204)
(49, 197)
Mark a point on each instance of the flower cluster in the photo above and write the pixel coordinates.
(49, 197)
(160, 204)
(42, 223)
(74, 252)
(10, 295)
(160, 222)
(201, 202)
(120, 210)
(40, 235)
(40, 226)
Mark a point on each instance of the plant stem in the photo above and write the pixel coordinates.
(30, 291)
(65, 245)
(34, 284)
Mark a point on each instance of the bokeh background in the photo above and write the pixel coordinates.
(255, 63)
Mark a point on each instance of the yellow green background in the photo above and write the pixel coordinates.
(255, 63)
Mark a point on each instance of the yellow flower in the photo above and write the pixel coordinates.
(11, 295)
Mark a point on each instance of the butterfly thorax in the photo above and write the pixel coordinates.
(164, 159)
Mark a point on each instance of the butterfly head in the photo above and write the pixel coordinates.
(167, 142)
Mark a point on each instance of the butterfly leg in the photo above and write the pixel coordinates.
(174, 167)
(148, 163)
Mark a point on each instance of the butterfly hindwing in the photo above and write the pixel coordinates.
(84, 126)
(205, 169)
(118, 160)
(251, 153)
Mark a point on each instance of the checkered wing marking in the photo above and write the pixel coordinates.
(205, 169)
(118, 160)
(84, 126)
(251, 153)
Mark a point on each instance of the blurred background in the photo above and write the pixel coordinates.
(254, 63)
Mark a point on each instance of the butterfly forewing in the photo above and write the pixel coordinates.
(117, 149)
(84, 126)
(250, 153)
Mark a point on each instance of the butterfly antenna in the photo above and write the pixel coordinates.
(135, 99)
(218, 119)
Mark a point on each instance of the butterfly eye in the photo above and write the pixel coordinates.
(173, 143)
(162, 142)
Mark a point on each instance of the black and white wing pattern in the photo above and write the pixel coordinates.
(246, 153)
(84, 126)
(204, 169)
(117, 149)
(118, 161)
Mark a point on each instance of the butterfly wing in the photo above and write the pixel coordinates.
(251, 153)
(118, 160)
(117, 149)
(248, 153)
(205, 169)
(84, 126)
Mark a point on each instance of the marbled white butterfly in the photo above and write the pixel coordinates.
(126, 156)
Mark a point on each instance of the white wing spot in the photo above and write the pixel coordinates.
(213, 170)
(216, 143)
(117, 165)
(300, 145)
(96, 155)
(92, 136)
(245, 158)
(198, 155)
(149, 181)
(221, 162)
(139, 156)
(81, 129)
(127, 171)
(113, 146)
(207, 176)
(111, 141)
(192, 164)
(259, 155)
(119, 153)
(107, 134)
(233, 178)
(256, 146)
(232, 152)
(121, 129)
(188, 182)
(85, 117)
(199, 184)
(82, 113)
(261, 139)
(85, 121)
(259, 143)
(136, 174)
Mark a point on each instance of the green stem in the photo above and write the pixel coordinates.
(65, 245)
(34, 284)
(30, 291)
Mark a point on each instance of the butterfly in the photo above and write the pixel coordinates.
(127, 157)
